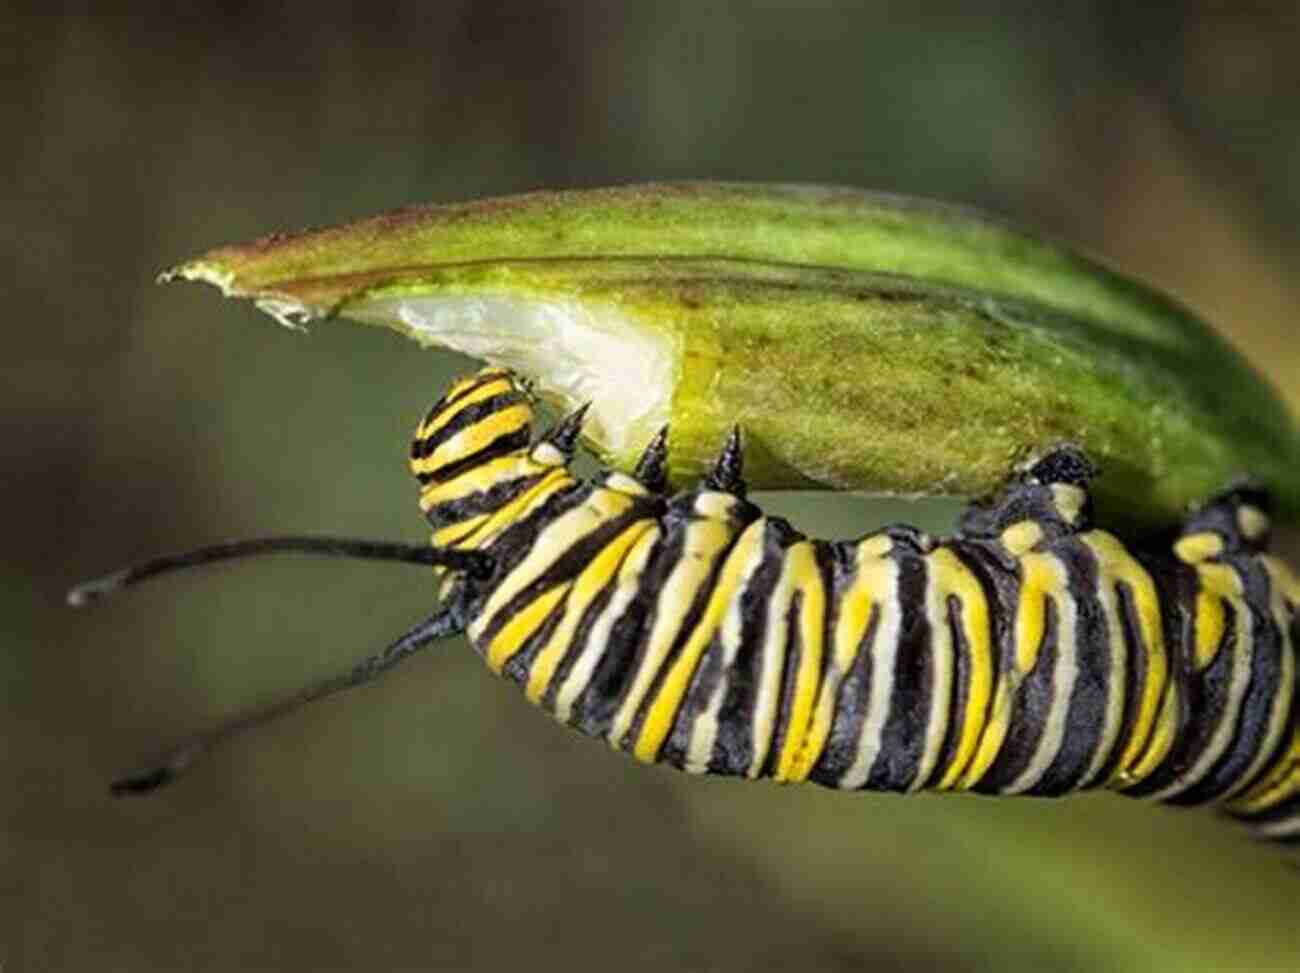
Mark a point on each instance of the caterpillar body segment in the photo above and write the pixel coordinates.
(1030, 653)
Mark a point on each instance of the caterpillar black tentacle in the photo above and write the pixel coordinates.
(448, 620)
(1029, 653)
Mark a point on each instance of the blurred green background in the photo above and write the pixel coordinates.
(434, 820)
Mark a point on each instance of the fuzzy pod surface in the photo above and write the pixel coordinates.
(863, 341)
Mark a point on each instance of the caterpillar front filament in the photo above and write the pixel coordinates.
(1027, 654)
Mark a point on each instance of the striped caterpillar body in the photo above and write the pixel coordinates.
(1027, 654)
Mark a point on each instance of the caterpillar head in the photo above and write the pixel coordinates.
(474, 456)
(481, 417)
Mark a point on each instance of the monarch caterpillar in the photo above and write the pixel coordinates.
(1027, 654)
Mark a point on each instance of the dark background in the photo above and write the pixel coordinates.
(434, 820)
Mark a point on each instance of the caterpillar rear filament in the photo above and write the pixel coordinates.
(1030, 653)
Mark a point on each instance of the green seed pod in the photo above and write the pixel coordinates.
(863, 342)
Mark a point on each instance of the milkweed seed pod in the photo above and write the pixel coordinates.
(865, 342)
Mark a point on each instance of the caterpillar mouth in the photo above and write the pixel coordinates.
(574, 352)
